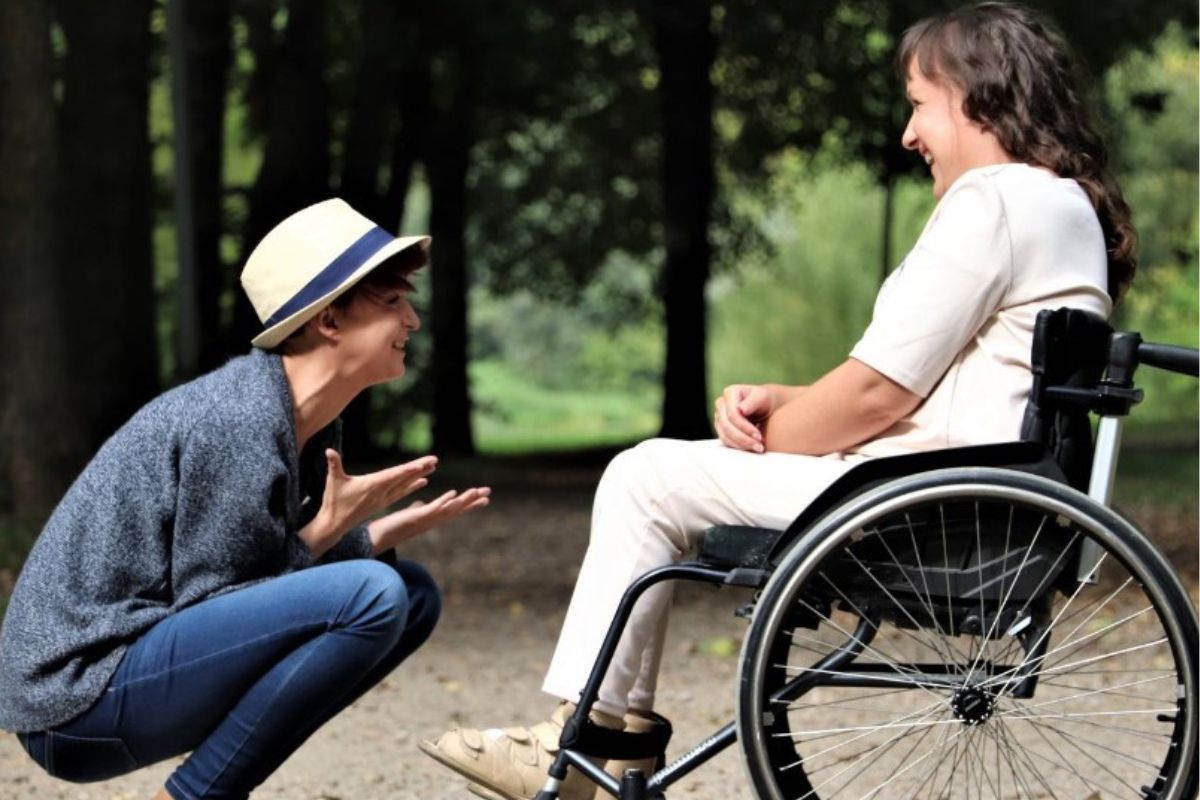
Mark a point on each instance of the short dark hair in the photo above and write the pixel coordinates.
(391, 275)
(1020, 81)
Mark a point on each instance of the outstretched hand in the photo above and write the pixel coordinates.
(350, 500)
(739, 412)
(419, 517)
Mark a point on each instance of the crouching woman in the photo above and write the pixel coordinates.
(213, 582)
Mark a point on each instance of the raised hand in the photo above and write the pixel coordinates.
(399, 526)
(349, 500)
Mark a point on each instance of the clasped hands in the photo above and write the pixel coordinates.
(351, 500)
(739, 413)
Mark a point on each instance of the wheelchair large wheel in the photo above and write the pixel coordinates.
(946, 636)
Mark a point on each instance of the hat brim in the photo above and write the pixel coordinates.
(275, 334)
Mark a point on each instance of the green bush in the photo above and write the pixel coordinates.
(796, 315)
(1153, 101)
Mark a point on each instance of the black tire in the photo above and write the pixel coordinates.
(931, 639)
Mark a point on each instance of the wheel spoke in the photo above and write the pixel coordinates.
(1042, 729)
(895, 775)
(1040, 661)
(939, 642)
(1070, 668)
(918, 789)
(890, 596)
(881, 658)
(1008, 593)
(1022, 755)
(1024, 707)
(1035, 721)
(920, 720)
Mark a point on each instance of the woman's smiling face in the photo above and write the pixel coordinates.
(374, 334)
(942, 134)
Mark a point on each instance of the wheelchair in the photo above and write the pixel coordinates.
(973, 622)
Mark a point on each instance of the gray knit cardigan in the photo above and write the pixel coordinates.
(200, 493)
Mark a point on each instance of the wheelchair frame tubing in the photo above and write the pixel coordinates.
(1100, 487)
(686, 763)
(604, 658)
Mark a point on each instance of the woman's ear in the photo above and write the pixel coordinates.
(326, 324)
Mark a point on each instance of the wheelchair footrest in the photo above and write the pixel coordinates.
(600, 742)
(738, 546)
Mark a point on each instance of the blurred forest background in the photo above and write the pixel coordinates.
(632, 204)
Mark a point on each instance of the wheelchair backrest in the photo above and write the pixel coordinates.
(1070, 349)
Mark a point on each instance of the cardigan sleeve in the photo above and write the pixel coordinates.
(230, 524)
(355, 544)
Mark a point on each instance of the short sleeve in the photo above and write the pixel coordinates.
(953, 280)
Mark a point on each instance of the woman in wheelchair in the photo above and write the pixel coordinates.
(1028, 218)
(209, 583)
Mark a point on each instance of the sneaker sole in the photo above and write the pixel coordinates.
(478, 783)
(484, 792)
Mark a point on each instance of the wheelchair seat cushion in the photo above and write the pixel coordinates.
(738, 546)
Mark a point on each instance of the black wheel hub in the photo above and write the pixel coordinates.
(973, 706)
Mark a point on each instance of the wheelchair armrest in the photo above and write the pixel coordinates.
(729, 546)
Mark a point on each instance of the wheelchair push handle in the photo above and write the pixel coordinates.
(1184, 360)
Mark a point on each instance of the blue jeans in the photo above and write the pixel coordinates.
(243, 679)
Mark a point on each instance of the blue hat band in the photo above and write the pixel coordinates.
(333, 275)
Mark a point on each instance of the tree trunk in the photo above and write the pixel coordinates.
(106, 211)
(373, 111)
(373, 117)
(206, 41)
(41, 443)
(685, 47)
(412, 91)
(296, 164)
(446, 160)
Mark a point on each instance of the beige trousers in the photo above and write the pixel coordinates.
(652, 504)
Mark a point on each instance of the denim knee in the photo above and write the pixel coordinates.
(424, 599)
(377, 600)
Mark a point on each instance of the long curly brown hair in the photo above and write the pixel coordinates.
(1019, 80)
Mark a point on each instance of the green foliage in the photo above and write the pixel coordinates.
(514, 414)
(549, 375)
(598, 343)
(797, 315)
(1152, 97)
(1154, 475)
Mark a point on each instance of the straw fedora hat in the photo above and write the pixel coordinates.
(309, 259)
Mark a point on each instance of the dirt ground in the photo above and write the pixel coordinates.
(506, 574)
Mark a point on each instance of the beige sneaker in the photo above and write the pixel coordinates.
(509, 764)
